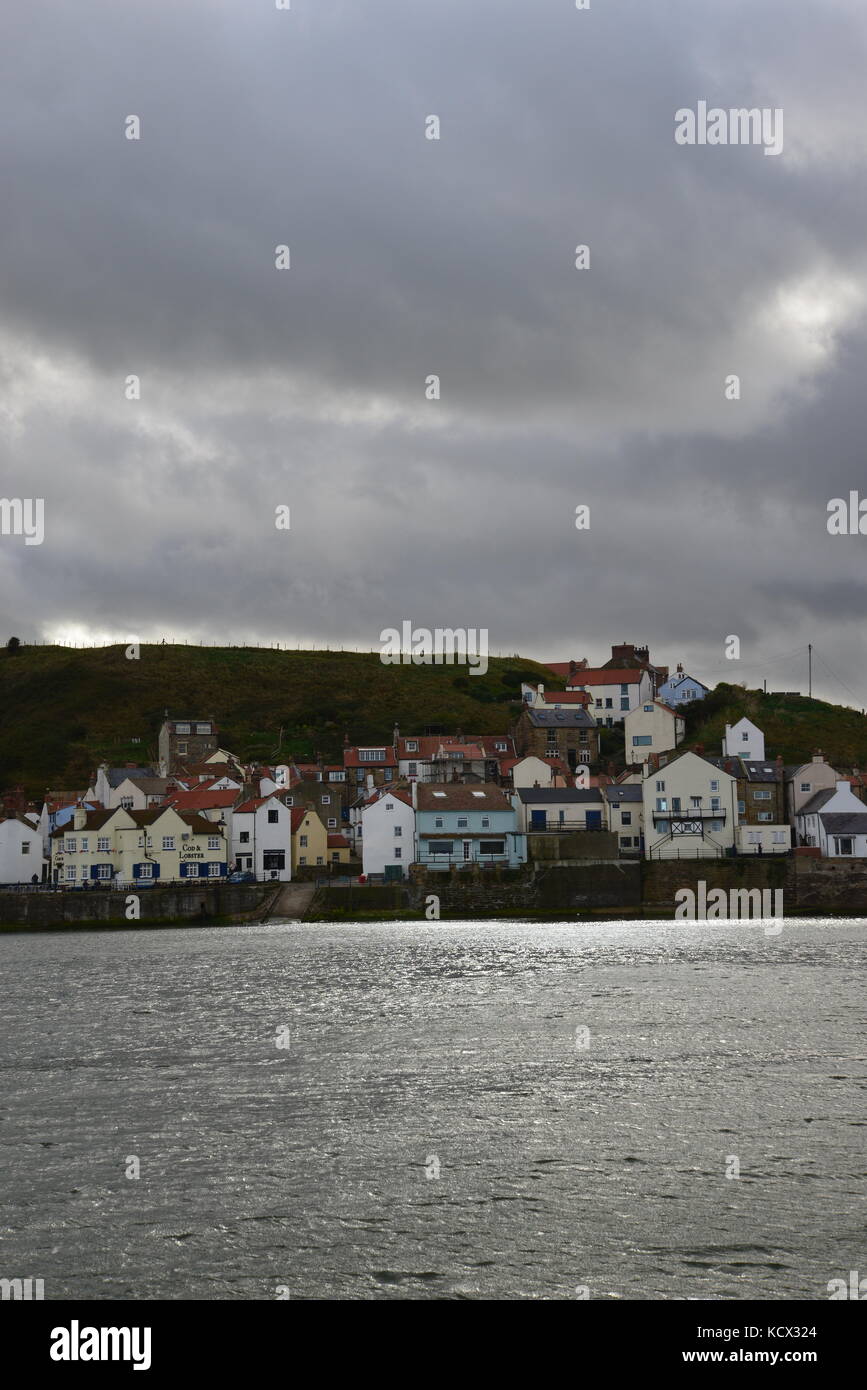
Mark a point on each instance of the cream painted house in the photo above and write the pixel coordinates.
(124, 847)
(805, 780)
(690, 809)
(652, 727)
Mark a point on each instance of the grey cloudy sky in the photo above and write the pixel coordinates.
(456, 257)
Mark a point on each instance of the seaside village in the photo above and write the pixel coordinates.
(466, 801)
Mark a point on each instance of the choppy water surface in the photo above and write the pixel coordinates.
(435, 1047)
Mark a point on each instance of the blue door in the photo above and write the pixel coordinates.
(537, 820)
(594, 820)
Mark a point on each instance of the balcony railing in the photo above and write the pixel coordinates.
(692, 813)
(563, 827)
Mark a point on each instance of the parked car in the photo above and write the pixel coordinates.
(242, 876)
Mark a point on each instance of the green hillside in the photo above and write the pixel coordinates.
(64, 710)
(793, 725)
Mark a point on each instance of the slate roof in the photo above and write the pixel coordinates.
(845, 822)
(115, 775)
(557, 795)
(630, 791)
(560, 718)
(817, 801)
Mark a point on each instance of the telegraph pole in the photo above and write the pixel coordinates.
(810, 669)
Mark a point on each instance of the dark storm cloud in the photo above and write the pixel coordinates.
(455, 257)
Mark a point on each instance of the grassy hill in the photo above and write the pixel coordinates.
(793, 725)
(64, 710)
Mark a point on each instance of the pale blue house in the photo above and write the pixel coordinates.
(458, 824)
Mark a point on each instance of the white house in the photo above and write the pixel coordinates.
(613, 691)
(652, 727)
(262, 838)
(388, 832)
(690, 809)
(836, 822)
(21, 853)
(744, 740)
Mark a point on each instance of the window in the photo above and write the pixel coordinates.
(648, 709)
(182, 728)
(624, 702)
(462, 822)
(500, 747)
(213, 871)
(625, 817)
(714, 803)
(438, 822)
(492, 847)
(83, 842)
(716, 825)
(192, 871)
(624, 689)
(371, 755)
(742, 807)
(745, 738)
(398, 831)
(660, 786)
(103, 871)
(326, 801)
(805, 786)
(103, 843)
(486, 822)
(766, 815)
(695, 802)
(582, 737)
(439, 793)
(754, 837)
(388, 774)
(126, 803)
(609, 704)
(626, 841)
(319, 859)
(213, 842)
(413, 769)
(145, 870)
(675, 803)
(389, 805)
(641, 740)
(600, 723)
(778, 837)
(168, 842)
(303, 859)
(661, 802)
(761, 796)
(440, 846)
(25, 846)
(70, 873)
(598, 704)
(412, 745)
(203, 728)
(714, 786)
(303, 842)
(398, 852)
(288, 801)
(335, 856)
(182, 748)
(332, 822)
(244, 837)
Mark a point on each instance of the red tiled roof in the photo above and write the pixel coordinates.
(338, 842)
(203, 799)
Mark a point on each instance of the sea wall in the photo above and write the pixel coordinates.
(43, 911)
